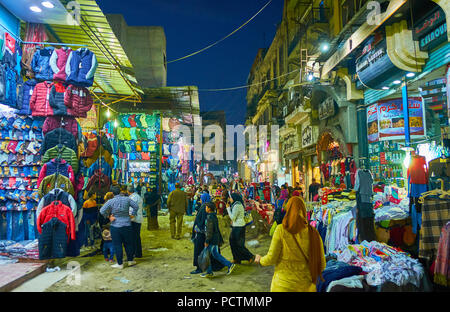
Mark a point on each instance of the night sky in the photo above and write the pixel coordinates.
(191, 25)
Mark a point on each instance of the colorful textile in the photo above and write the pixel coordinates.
(435, 214)
(441, 270)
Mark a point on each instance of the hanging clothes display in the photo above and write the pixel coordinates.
(365, 214)
(418, 184)
(138, 148)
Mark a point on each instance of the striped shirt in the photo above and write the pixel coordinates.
(119, 206)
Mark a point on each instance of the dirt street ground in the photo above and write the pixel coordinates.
(166, 265)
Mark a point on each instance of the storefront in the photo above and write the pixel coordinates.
(337, 136)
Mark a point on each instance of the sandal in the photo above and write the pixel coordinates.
(252, 260)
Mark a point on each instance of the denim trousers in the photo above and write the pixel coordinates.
(190, 208)
(216, 255)
(89, 228)
(137, 245)
(122, 236)
(108, 248)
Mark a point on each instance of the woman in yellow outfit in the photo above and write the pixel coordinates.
(296, 251)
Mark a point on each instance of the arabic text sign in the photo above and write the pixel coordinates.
(429, 23)
(432, 30)
(372, 123)
(327, 108)
(391, 122)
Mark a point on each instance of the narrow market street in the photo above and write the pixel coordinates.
(165, 267)
(198, 147)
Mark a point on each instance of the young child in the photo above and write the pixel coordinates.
(90, 216)
(214, 240)
(108, 246)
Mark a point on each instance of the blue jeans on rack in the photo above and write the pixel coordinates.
(216, 255)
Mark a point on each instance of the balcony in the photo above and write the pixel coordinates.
(315, 16)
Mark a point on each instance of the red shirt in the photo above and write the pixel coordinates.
(60, 211)
(418, 171)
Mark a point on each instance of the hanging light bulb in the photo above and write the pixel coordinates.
(108, 113)
(115, 123)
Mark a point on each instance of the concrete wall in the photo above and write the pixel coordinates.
(145, 47)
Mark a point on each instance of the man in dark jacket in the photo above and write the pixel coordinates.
(214, 240)
(177, 203)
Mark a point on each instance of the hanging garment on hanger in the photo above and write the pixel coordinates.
(56, 165)
(10, 88)
(418, 171)
(66, 122)
(55, 181)
(27, 91)
(41, 63)
(65, 153)
(56, 99)
(78, 101)
(58, 195)
(58, 61)
(39, 101)
(58, 136)
(80, 68)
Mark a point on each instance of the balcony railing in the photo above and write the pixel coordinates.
(315, 16)
(290, 107)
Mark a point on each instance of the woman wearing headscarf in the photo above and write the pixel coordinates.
(198, 237)
(237, 235)
(296, 251)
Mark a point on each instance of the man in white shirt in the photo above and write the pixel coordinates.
(136, 222)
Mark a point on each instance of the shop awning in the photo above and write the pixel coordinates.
(170, 100)
(114, 75)
(294, 155)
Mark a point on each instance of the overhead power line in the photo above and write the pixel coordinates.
(249, 85)
(215, 43)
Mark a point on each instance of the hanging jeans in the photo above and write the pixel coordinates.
(237, 244)
(122, 237)
(216, 255)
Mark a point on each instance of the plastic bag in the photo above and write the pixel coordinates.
(204, 259)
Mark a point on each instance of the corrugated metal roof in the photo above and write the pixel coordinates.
(114, 73)
(172, 100)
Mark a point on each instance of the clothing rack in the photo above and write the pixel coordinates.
(41, 43)
(55, 43)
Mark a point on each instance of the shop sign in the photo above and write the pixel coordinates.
(307, 136)
(327, 108)
(358, 37)
(391, 123)
(431, 29)
(385, 120)
(383, 158)
(374, 66)
(434, 38)
(372, 123)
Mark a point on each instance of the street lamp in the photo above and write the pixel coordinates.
(324, 47)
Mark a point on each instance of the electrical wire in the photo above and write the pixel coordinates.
(217, 42)
(250, 85)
